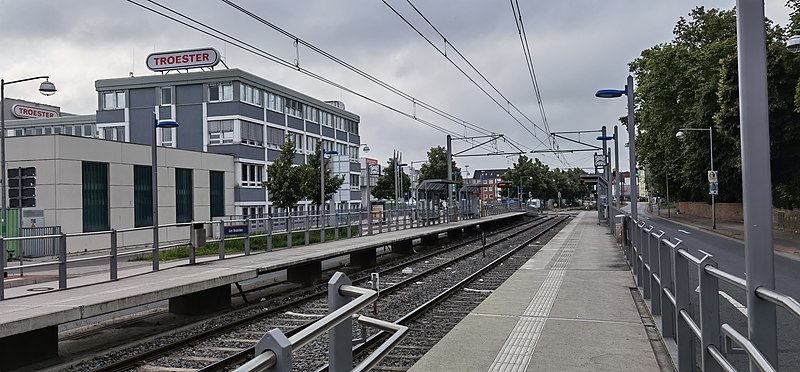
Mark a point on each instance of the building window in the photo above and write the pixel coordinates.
(166, 95)
(216, 190)
(113, 133)
(274, 102)
(293, 107)
(113, 100)
(142, 195)
(275, 137)
(220, 131)
(311, 143)
(325, 119)
(328, 145)
(352, 126)
(183, 195)
(354, 180)
(95, 196)
(297, 139)
(252, 133)
(220, 92)
(167, 137)
(252, 175)
(312, 113)
(250, 94)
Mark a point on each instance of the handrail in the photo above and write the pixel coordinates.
(365, 297)
(690, 322)
(670, 296)
(780, 299)
(752, 351)
(260, 363)
(19, 238)
(689, 256)
(670, 244)
(717, 355)
(726, 276)
(399, 331)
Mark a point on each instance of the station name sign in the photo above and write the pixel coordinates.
(183, 59)
(30, 112)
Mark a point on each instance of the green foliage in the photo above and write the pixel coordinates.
(385, 187)
(436, 167)
(539, 182)
(285, 182)
(311, 178)
(692, 82)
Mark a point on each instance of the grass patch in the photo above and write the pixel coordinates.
(256, 244)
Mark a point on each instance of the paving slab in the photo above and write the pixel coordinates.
(569, 308)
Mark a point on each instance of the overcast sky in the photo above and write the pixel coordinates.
(578, 46)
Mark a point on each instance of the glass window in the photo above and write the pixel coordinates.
(249, 94)
(252, 175)
(95, 196)
(311, 143)
(312, 113)
(297, 139)
(293, 107)
(274, 102)
(252, 133)
(113, 100)
(183, 195)
(88, 131)
(220, 92)
(166, 95)
(113, 133)
(275, 137)
(167, 137)
(220, 131)
(216, 192)
(142, 195)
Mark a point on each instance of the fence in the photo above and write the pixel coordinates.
(268, 227)
(661, 269)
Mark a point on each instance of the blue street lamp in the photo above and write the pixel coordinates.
(322, 189)
(163, 124)
(615, 93)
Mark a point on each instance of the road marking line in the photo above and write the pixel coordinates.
(684, 231)
(742, 309)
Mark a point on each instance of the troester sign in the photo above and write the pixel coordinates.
(30, 112)
(183, 59)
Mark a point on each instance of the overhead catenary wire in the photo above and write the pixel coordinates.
(266, 55)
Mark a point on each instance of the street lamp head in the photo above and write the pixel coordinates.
(605, 138)
(330, 152)
(609, 93)
(47, 88)
(793, 44)
(680, 134)
(365, 147)
(166, 124)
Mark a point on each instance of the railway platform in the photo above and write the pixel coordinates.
(572, 307)
(29, 324)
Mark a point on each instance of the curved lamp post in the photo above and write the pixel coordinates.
(628, 91)
(322, 189)
(368, 174)
(164, 124)
(710, 131)
(47, 88)
(607, 171)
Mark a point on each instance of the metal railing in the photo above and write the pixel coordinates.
(274, 350)
(661, 270)
(355, 222)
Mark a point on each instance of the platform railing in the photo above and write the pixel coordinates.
(661, 267)
(267, 227)
(273, 352)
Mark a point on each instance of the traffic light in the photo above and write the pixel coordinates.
(22, 187)
(505, 184)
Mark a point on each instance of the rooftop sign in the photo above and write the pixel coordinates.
(30, 112)
(183, 59)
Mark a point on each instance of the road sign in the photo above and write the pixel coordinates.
(712, 176)
(713, 188)
(374, 169)
(559, 194)
(599, 160)
(236, 229)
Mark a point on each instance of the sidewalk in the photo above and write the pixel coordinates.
(785, 242)
(571, 307)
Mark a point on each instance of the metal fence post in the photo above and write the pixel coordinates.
(665, 273)
(289, 228)
(322, 223)
(646, 270)
(221, 240)
(3, 267)
(639, 258)
(269, 233)
(683, 332)
(307, 223)
(349, 233)
(276, 341)
(62, 261)
(396, 219)
(336, 224)
(360, 224)
(709, 314)
(340, 337)
(113, 259)
(247, 237)
(655, 269)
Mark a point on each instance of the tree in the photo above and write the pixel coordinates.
(311, 178)
(692, 82)
(385, 187)
(436, 167)
(285, 182)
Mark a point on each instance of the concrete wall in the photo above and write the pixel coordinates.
(58, 161)
(782, 219)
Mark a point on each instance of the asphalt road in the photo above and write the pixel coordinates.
(729, 255)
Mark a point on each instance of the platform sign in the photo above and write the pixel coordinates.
(235, 229)
(712, 176)
(599, 160)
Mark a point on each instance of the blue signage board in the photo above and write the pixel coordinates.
(235, 229)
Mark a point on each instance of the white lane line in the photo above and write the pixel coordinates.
(742, 309)
(684, 231)
(479, 290)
